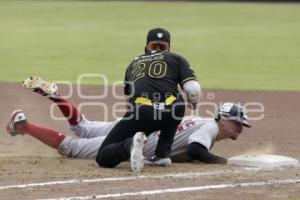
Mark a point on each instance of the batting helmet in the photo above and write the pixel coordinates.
(234, 112)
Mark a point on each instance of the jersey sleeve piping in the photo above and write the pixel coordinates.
(188, 79)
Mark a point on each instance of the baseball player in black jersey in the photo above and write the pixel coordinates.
(151, 82)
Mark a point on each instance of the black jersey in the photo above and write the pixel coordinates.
(156, 75)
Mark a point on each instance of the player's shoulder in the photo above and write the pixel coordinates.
(134, 61)
(205, 127)
(156, 53)
(136, 58)
(147, 56)
(204, 122)
(173, 54)
(179, 58)
(212, 123)
(199, 119)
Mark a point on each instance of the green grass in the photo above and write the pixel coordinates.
(244, 46)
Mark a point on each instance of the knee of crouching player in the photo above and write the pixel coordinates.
(104, 161)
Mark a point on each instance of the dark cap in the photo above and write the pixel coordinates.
(158, 34)
(234, 112)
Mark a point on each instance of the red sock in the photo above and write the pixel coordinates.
(45, 135)
(68, 110)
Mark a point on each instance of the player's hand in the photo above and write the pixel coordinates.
(193, 100)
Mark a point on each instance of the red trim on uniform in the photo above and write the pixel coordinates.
(50, 137)
(68, 110)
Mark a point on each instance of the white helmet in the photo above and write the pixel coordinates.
(234, 112)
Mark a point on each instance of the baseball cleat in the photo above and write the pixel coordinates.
(16, 118)
(41, 87)
(154, 160)
(136, 155)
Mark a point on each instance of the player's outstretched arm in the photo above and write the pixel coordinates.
(199, 152)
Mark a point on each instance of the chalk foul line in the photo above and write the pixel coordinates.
(125, 178)
(183, 189)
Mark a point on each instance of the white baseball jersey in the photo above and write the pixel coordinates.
(191, 129)
(92, 134)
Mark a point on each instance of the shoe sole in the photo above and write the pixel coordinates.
(35, 82)
(162, 162)
(136, 156)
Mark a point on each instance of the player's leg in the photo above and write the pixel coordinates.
(70, 111)
(117, 145)
(50, 90)
(92, 129)
(80, 148)
(66, 146)
(163, 148)
(18, 125)
(150, 146)
(82, 127)
(130, 148)
(166, 137)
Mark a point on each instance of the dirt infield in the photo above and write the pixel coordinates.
(25, 161)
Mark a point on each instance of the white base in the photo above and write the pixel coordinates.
(262, 160)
